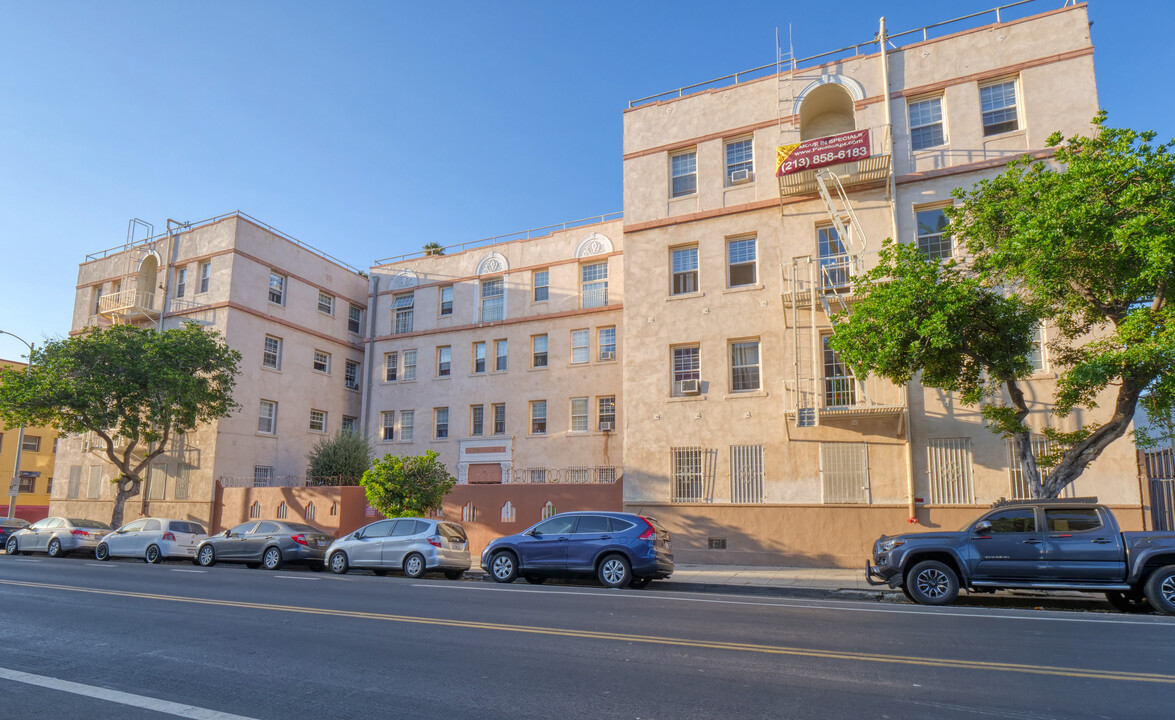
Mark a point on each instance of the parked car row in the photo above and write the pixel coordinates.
(619, 549)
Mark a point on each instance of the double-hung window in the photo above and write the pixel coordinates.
(840, 387)
(683, 174)
(277, 289)
(351, 375)
(594, 287)
(998, 104)
(354, 318)
(834, 259)
(407, 424)
(606, 343)
(444, 361)
(318, 421)
(740, 165)
(321, 361)
(271, 356)
(387, 420)
(326, 303)
(741, 265)
(580, 348)
(538, 417)
(479, 357)
(686, 369)
(579, 414)
(541, 280)
(409, 364)
(933, 239)
(493, 300)
(744, 366)
(181, 282)
(349, 423)
(402, 311)
(538, 345)
(926, 123)
(205, 276)
(391, 361)
(1036, 356)
(685, 270)
(477, 419)
(267, 417)
(499, 410)
(440, 423)
(606, 412)
(500, 355)
(446, 300)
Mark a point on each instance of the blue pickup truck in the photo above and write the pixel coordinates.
(1072, 544)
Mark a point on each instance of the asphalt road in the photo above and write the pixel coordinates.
(85, 639)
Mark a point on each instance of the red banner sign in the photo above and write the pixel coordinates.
(821, 152)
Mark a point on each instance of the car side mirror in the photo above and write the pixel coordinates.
(357, 535)
(982, 527)
(228, 533)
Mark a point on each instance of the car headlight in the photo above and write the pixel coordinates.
(891, 544)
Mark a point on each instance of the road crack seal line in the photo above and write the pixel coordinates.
(648, 639)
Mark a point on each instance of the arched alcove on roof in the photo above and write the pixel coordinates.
(826, 107)
(148, 274)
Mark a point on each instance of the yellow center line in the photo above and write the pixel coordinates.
(623, 637)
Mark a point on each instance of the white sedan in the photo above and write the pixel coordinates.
(152, 539)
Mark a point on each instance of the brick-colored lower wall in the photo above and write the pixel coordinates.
(28, 513)
(806, 535)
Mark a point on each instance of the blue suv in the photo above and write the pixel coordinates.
(619, 549)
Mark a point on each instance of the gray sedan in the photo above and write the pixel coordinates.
(57, 536)
(265, 543)
(414, 545)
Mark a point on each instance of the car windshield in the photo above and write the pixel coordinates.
(89, 524)
(299, 527)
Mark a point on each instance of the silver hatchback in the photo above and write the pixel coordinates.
(414, 545)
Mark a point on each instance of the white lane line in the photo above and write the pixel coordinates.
(191, 571)
(102, 564)
(297, 577)
(115, 696)
(817, 605)
(26, 560)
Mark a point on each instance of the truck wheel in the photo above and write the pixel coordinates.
(1160, 589)
(931, 582)
(1128, 602)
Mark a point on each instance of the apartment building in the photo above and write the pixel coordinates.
(745, 432)
(504, 358)
(34, 475)
(296, 316)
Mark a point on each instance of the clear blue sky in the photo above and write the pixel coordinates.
(368, 129)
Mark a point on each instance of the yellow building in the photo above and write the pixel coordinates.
(38, 450)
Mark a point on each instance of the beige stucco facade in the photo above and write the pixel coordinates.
(227, 265)
(788, 459)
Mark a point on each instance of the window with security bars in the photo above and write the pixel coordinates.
(402, 311)
(998, 104)
(688, 470)
(606, 474)
(579, 474)
(933, 239)
(262, 475)
(844, 473)
(840, 387)
(493, 300)
(746, 473)
(948, 462)
(1018, 484)
(926, 123)
(594, 285)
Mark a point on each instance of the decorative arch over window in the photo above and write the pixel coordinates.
(283, 511)
(255, 510)
(825, 106)
(334, 509)
(594, 244)
(311, 511)
(468, 512)
(508, 514)
(492, 264)
(548, 510)
(404, 279)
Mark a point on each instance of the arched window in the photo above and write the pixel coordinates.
(826, 110)
(334, 509)
(468, 512)
(283, 511)
(549, 510)
(508, 512)
(255, 509)
(310, 511)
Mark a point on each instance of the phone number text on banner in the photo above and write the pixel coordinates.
(821, 152)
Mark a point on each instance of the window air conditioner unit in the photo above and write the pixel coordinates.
(608, 355)
(606, 426)
(690, 387)
(740, 176)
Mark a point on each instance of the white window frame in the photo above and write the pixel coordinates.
(593, 289)
(498, 418)
(205, 277)
(479, 356)
(839, 383)
(835, 269)
(181, 282)
(683, 274)
(326, 303)
(477, 420)
(492, 300)
(318, 421)
(325, 362)
(271, 352)
(351, 374)
(581, 346)
(445, 305)
(580, 415)
(277, 288)
(409, 373)
(741, 151)
(605, 411)
(501, 355)
(744, 259)
(990, 107)
(444, 361)
(606, 348)
(354, 319)
(407, 425)
(539, 357)
(391, 365)
(683, 173)
(349, 424)
(541, 282)
(932, 243)
(746, 369)
(680, 371)
(538, 417)
(267, 417)
(403, 313)
(925, 114)
(387, 425)
(440, 423)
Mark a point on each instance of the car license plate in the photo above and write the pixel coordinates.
(320, 543)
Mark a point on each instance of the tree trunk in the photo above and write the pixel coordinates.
(128, 487)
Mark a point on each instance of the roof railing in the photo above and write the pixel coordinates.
(761, 71)
(520, 235)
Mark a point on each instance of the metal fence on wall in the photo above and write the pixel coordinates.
(1160, 472)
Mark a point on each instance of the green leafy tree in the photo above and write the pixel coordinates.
(1084, 243)
(339, 459)
(407, 485)
(133, 388)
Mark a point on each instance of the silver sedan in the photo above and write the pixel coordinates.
(414, 545)
(57, 536)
